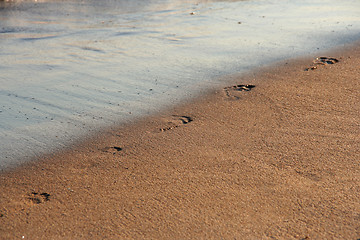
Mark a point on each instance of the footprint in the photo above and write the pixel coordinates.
(38, 198)
(310, 68)
(176, 121)
(309, 175)
(233, 91)
(322, 61)
(325, 60)
(112, 150)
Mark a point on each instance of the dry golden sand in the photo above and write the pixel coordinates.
(278, 162)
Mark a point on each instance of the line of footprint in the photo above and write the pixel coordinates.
(178, 120)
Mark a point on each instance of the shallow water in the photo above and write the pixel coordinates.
(71, 67)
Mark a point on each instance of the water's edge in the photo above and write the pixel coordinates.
(84, 68)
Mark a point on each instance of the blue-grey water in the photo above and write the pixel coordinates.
(71, 67)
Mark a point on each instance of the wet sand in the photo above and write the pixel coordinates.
(275, 155)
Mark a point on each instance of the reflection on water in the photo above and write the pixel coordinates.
(71, 67)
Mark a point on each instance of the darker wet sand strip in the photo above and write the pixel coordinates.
(274, 155)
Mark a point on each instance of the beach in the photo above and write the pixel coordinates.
(274, 154)
(96, 64)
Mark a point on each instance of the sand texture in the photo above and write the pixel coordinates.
(274, 155)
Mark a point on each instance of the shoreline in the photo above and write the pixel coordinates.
(71, 86)
(277, 161)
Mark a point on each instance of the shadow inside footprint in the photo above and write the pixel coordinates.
(112, 150)
(325, 60)
(184, 119)
(176, 121)
(322, 61)
(309, 175)
(231, 91)
(38, 198)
